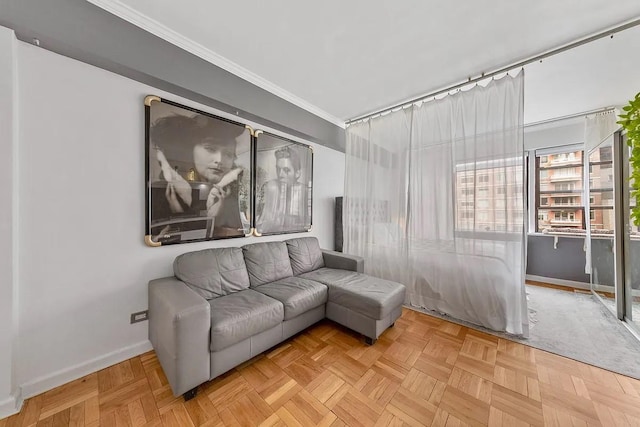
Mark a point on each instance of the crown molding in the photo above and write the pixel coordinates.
(123, 11)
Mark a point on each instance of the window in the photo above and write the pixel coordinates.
(559, 183)
(565, 186)
(563, 201)
(565, 216)
(483, 186)
(562, 172)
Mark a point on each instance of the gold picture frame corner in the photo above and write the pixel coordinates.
(257, 132)
(150, 98)
(250, 232)
(149, 241)
(256, 234)
(251, 130)
(310, 227)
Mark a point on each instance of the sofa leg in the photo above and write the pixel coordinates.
(190, 394)
(370, 341)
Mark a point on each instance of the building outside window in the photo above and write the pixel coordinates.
(601, 190)
(494, 193)
(559, 189)
(559, 186)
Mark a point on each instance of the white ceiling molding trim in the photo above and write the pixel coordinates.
(125, 12)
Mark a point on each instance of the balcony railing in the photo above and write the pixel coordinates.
(552, 205)
(563, 178)
(565, 221)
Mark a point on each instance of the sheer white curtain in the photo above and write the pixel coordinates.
(434, 200)
(598, 127)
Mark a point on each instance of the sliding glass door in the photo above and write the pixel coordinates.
(631, 243)
(613, 240)
(601, 230)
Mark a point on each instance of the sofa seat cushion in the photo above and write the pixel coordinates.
(298, 295)
(238, 316)
(370, 296)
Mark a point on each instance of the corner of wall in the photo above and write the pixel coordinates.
(12, 405)
(55, 379)
(10, 398)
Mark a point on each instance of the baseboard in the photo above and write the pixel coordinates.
(10, 406)
(63, 376)
(559, 282)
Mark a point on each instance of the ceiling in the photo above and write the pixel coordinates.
(341, 59)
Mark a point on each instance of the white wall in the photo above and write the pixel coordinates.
(554, 134)
(599, 74)
(82, 261)
(7, 294)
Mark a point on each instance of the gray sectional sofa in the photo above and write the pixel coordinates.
(227, 305)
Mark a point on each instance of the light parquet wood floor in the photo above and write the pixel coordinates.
(422, 372)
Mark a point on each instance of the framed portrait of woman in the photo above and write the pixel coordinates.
(198, 175)
(283, 185)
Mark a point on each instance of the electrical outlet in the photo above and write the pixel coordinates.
(140, 316)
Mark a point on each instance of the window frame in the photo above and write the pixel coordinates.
(535, 208)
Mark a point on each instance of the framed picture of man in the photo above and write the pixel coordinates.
(283, 185)
(198, 175)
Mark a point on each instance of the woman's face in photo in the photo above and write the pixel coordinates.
(213, 160)
(285, 171)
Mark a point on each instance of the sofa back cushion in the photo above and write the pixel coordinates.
(267, 262)
(213, 273)
(305, 254)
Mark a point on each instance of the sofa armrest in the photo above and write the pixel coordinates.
(179, 329)
(333, 259)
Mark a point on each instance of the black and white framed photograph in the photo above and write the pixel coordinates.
(283, 185)
(198, 175)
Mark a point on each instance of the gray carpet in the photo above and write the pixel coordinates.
(577, 326)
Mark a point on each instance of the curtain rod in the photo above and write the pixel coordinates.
(569, 116)
(483, 76)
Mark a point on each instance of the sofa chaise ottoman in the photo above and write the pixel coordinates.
(224, 306)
